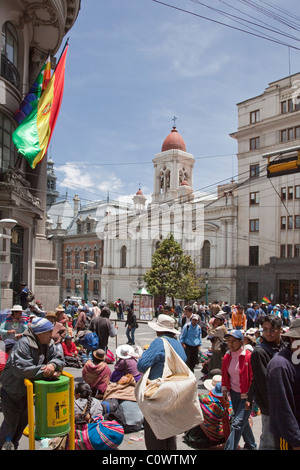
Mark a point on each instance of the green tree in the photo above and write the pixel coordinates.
(173, 273)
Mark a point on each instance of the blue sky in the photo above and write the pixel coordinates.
(134, 64)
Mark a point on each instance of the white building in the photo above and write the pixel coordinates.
(268, 236)
(205, 228)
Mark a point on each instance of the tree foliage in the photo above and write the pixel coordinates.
(173, 273)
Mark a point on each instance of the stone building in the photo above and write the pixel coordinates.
(30, 31)
(268, 237)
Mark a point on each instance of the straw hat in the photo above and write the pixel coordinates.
(209, 384)
(60, 309)
(125, 351)
(50, 314)
(164, 323)
(17, 308)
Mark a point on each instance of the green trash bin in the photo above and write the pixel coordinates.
(52, 407)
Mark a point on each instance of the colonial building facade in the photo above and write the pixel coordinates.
(268, 237)
(126, 236)
(30, 31)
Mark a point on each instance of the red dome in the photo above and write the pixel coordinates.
(173, 141)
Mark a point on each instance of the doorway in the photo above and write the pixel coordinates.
(289, 292)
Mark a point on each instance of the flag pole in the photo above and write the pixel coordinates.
(66, 44)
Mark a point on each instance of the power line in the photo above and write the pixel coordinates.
(227, 25)
(243, 20)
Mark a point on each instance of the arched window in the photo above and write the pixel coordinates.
(206, 254)
(9, 54)
(123, 256)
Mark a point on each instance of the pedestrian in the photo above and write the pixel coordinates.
(216, 334)
(236, 381)
(131, 325)
(154, 358)
(283, 388)
(276, 311)
(34, 357)
(190, 340)
(24, 295)
(97, 373)
(285, 316)
(238, 319)
(104, 328)
(179, 310)
(251, 316)
(186, 316)
(215, 308)
(226, 308)
(271, 343)
(119, 309)
(95, 309)
(14, 325)
(81, 319)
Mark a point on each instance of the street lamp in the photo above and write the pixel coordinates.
(206, 276)
(86, 265)
(77, 287)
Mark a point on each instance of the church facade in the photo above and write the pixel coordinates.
(126, 236)
(206, 229)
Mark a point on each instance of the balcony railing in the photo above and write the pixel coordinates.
(10, 72)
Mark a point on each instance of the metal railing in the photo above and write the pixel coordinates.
(9, 72)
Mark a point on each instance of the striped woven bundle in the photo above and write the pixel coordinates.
(213, 412)
(99, 435)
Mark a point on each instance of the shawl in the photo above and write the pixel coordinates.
(214, 413)
(96, 375)
(122, 390)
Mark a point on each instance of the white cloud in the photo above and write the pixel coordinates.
(90, 179)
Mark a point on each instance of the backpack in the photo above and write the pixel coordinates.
(89, 341)
(30, 296)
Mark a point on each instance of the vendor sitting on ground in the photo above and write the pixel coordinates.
(97, 373)
(71, 355)
(215, 427)
(126, 363)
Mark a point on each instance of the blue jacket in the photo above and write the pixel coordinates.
(154, 356)
(191, 335)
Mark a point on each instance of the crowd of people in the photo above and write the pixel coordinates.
(249, 366)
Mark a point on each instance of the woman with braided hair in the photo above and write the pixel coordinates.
(92, 431)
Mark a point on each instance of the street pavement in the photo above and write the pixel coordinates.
(135, 441)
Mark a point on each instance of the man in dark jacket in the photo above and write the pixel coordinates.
(283, 385)
(104, 328)
(270, 345)
(34, 357)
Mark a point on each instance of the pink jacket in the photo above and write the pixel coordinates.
(245, 371)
